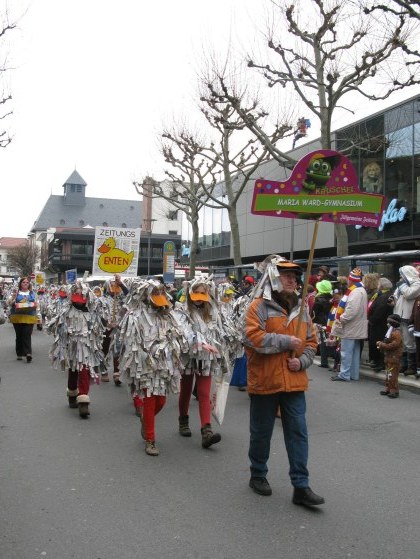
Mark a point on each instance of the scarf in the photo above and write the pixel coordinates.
(342, 304)
(331, 317)
(372, 299)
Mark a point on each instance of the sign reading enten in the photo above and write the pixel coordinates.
(323, 186)
(116, 251)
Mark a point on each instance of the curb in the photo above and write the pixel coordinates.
(409, 383)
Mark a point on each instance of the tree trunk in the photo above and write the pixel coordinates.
(233, 218)
(235, 238)
(194, 244)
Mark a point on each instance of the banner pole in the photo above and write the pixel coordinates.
(307, 275)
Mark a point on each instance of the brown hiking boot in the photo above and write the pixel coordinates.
(151, 449)
(84, 410)
(208, 437)
(184, 427)
(105, 378)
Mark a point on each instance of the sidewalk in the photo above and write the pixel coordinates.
(410, 382)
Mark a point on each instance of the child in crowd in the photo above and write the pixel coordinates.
(392, 346)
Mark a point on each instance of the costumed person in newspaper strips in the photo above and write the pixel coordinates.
(392, 347)
(209, 354)
(152, 342)
(77, 331)
(24, 313)
(280, 345)
(114, 292)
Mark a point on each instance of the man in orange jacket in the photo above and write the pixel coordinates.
(279, 349)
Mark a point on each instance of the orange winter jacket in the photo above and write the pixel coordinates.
(267, 345)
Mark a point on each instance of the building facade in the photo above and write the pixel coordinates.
(65, 230)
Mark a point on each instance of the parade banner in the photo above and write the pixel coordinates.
(71, 275)
(323, 186)
(116, 251)
(39, 278)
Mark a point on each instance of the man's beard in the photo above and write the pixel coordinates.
(287, 301)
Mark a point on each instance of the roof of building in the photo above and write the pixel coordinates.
(75, 178)
(12, 242)
(94, 212)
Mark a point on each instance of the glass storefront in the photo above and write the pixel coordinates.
(385, 151)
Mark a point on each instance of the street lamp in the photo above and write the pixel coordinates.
(149, 228)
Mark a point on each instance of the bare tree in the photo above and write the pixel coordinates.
(399, 8)
(327, 50)
(6, 26)
(23, 258)
(228, 108)
(189, 171)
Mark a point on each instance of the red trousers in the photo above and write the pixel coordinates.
(203, 384)
(79, 380)
(151, 407)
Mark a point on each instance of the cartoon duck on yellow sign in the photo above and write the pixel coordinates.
(113, 260)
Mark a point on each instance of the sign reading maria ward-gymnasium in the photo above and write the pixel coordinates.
(323, 186)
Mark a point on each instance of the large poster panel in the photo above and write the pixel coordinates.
(323, 186)
(116, 251)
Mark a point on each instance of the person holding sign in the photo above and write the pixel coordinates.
(115, 291)
(280, 345)
(77, 330)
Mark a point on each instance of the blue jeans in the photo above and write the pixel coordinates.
(262, 419)
(350, 359)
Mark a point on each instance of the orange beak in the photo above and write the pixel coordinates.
(103, 248)
(199, 297)
(159, 300)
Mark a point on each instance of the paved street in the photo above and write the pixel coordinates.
(85, 489)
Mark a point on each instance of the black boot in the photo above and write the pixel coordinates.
(184, 427)
(208, 437)
(305, 496)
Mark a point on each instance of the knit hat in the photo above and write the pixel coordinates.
(324, 287)
(394, 320)
(355, 275)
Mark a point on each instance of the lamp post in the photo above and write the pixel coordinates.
(149, 227)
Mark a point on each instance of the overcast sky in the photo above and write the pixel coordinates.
(94, 81)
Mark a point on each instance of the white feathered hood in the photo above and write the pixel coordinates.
(409, 274)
